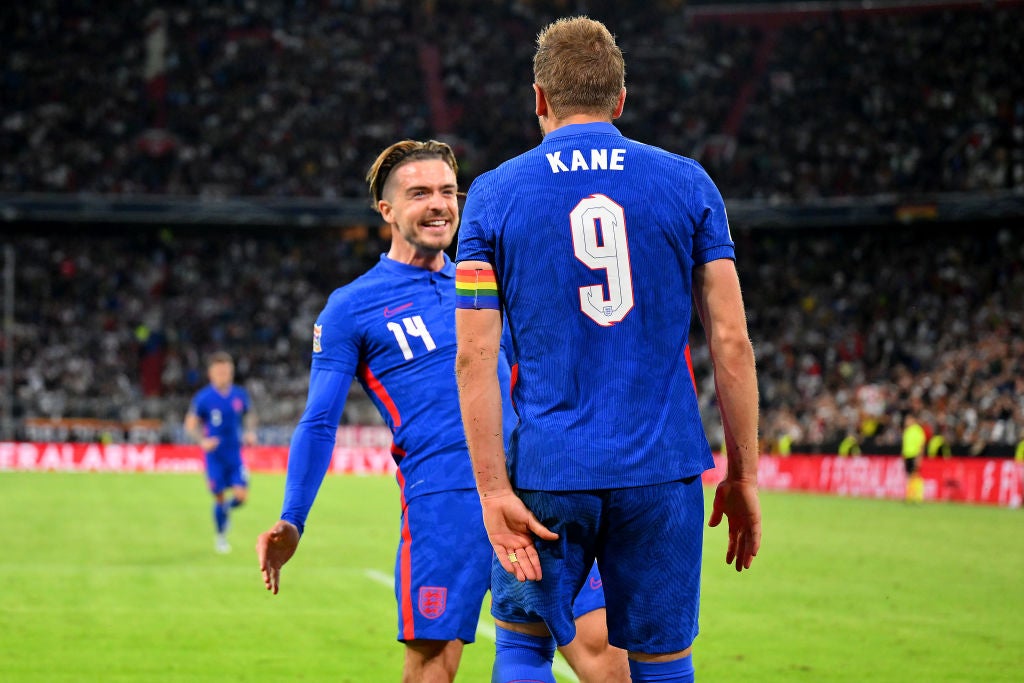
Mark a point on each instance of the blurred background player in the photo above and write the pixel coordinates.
(607, 457)
(220, 419)
(393, 329)
(914, 440)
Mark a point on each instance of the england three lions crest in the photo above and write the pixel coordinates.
(433, 600)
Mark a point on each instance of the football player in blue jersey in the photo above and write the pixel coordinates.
(393, 329)
(595, 248)
(220, 419)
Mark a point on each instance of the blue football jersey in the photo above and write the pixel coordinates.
(222, 415)
(393, 328)
(593, 238)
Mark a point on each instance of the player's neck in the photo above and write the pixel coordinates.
(405, 253)
(549, 124)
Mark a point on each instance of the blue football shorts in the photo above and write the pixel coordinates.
(223, 473)
(442, 567)
(647, 541)
(591, 596)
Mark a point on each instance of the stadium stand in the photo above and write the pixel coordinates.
(116, 327)
(852, 328)
(858, 327)
(283, 99)
(784, 106)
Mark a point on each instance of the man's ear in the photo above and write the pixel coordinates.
(541, 101)
(618, 108)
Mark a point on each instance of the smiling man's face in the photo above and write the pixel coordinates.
(421, 203)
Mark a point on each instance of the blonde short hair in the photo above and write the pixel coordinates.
(579, 67)
(219, 357)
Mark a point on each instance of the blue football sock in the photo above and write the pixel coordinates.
(220, 516)
(680, 670)
(522, 657)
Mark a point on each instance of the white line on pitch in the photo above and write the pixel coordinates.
(483, 629)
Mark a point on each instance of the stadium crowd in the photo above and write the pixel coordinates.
(852, 329)
(858, 328)
(117, 327)
(283, 99)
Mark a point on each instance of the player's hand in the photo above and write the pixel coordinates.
(739, 502)
(274, 548)
(511, 528)
(209, 443)
(249, 437)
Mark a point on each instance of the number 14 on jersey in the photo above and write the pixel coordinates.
(414, 327)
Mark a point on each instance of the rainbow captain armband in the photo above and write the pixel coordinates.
(476, 289)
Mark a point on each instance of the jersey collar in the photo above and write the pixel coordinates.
(598, 127)
(415, 272)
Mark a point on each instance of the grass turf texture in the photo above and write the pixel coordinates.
(113, 577)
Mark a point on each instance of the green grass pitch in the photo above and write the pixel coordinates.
(113, 577)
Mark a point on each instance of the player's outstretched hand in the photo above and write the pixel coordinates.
(511, 527)
(739, 502)
(209, 443)
(274, 548)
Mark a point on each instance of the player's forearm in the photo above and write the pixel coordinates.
(478, 331)
(192, 428)
(309, 456)
(312, 444)
(480, 402)
(736, 387)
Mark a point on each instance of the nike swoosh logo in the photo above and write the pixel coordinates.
(596, 583)
(391, 312)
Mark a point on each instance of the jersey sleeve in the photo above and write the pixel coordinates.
(336, 348)
(474, 288)
(336, 337)
(312, 443)
(712, 239)
(476, 239)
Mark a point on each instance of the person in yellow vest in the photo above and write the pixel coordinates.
(1018, 454)
(849, 446)
(914, 439)
(937, 445)
(784, 444)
